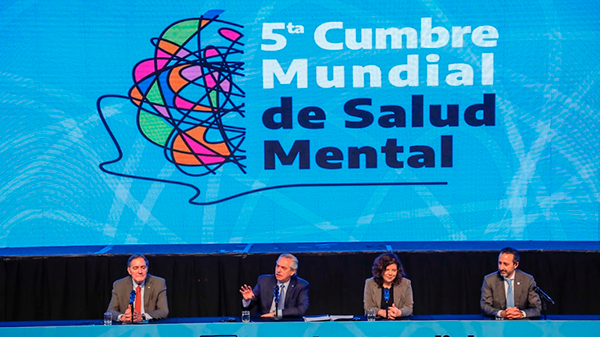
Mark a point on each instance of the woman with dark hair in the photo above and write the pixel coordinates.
(388, 291)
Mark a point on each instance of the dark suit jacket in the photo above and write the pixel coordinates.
(493, 295)
(296, 296)
(155, 297)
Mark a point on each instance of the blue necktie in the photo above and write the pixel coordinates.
(510, 296)
(281, 296)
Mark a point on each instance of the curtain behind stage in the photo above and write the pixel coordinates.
(78, 287)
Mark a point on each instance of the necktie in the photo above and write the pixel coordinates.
(138, 299)
(281, 296)
(510, 296)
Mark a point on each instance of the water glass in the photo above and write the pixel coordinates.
(107, 318)
(245, 316)
(371, 314)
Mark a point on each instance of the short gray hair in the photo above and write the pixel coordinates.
(294, 264)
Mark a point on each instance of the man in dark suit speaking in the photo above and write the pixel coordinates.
(509, 293)
(282, 294)
(146, 293)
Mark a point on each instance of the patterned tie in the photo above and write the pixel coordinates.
(510, 296)
(138, 299)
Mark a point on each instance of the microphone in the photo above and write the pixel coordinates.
(132, 297)
(131, 301)
(276, 297)
(542, 294)
(386, 297)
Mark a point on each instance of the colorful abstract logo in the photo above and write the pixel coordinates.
(185, 92)
(187, 98)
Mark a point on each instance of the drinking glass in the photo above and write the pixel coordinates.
(371, 314)
(245, 316)
(107, 318)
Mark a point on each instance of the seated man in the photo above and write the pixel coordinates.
(509, 293)
(283, 294)
(147, 293)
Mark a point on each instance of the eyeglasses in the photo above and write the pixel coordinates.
(135, 268)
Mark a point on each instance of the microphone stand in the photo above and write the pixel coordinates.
(276, 295)
(544, 309)
(386, 295)
(132, 303)
(545, 300)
